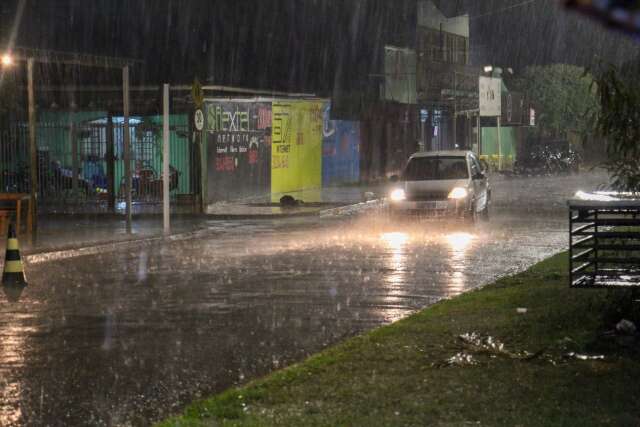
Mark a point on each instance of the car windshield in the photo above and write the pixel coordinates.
(434, 168)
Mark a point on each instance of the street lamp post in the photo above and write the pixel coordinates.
(30, 56)
(33, 149)
(7, 60)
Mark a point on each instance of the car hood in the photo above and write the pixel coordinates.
(446, 185)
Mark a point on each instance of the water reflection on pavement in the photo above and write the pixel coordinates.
(130, 337)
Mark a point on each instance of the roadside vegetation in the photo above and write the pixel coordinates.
(619, 96)
(526, 350)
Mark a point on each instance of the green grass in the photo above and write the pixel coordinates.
(396, 375)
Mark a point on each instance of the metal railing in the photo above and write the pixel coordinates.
(83, 163)
(604, 243)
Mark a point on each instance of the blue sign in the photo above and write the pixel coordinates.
(340, 150)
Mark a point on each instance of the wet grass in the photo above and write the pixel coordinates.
(400, 374)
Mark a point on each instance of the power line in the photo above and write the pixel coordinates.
(504, 9)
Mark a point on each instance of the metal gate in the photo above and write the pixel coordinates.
(81, 165)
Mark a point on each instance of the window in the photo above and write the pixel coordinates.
(436, 168)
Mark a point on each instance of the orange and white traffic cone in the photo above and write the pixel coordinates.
(13, 274)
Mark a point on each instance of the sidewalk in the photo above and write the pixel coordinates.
(65, 231)
(71, 232)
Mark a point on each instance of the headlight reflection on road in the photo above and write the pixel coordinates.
(459, 243)
(397, 243)
(395, 280)
(395, 240)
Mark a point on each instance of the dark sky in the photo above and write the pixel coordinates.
(296, 45)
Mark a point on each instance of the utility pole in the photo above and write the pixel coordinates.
(479, 134)
(165, 160)
(455, 109)
(33, 148)
(111, 167)
(499, 147)
(127, 145)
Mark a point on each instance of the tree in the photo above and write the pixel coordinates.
(563, 97)
(617, 120)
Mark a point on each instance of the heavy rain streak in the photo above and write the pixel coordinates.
(197, 193)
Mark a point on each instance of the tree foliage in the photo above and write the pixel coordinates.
(618, 121)
(563, 97)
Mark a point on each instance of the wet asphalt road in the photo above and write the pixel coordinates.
(129, 337)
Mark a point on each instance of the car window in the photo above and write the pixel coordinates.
(436, 168)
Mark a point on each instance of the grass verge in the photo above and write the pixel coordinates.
(516, 370)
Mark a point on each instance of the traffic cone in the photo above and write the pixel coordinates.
(13, 274)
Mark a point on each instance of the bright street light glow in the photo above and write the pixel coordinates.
(488, 68)
(6, 60)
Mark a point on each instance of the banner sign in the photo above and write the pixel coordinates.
(513, 109)
(238, 149)
(340, 150)
(490, 96)
(296, 155)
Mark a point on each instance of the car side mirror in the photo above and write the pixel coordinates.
(394, 178)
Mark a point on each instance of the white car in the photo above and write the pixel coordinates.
(442, 183)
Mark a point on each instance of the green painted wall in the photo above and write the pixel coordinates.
(53, 132)
(179, 153)
(508, 141)
(53, 136)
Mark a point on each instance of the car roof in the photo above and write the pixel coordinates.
(443, 153)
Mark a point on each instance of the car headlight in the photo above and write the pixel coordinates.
(398, 195)
(458, 193)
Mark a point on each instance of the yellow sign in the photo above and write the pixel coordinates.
(296, 150)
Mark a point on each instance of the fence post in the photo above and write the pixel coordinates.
(127, 144)
(165, 159)
(111, 167)
(75, 164)
(203, 170)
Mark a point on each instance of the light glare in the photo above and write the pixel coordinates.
(6, 60)
(398, 195)
(458, 193)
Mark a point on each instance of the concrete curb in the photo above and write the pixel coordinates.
(55, 254)
(101, 247)
(352, 209)
(263, 216)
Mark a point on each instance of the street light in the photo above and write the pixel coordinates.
(488, 68)
(7, 60)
